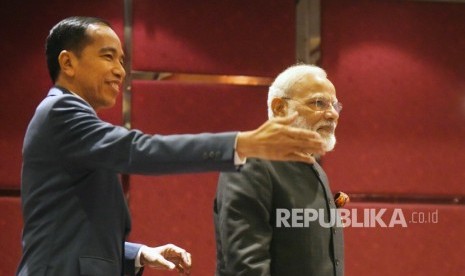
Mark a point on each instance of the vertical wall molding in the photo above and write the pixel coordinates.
(127, 84)
(308, 39)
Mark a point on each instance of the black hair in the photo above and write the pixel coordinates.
(68, 34)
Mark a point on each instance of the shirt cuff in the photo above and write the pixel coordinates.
(137, 260)
(238, 161)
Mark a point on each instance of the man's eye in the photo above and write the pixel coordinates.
(320, 103)
(109, 57)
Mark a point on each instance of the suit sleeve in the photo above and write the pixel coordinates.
(242, 210)
(86, 141)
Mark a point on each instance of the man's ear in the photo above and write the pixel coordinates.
(67, 61)
(279, 107)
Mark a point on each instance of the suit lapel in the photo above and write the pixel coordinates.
(321, 175)
(325, 183)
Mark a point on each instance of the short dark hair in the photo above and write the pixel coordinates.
(68, 34)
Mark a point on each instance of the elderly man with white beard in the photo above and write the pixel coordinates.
(279, 218)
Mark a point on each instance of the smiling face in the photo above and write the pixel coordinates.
(97, 72)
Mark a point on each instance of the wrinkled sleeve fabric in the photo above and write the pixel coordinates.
(92, 143)
(242, 218)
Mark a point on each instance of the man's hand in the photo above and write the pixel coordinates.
(276, 139)
(168, 257)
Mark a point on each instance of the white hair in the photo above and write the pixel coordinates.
(283, 83)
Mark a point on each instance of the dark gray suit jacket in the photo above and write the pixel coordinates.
(75, 214)
(248, 239)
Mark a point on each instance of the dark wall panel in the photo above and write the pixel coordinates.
(10, 237)
(428, 246)
(399, 69)
(169, 107)
(219, 37)
(176, 209)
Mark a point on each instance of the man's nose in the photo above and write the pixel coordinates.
(119, 71)
(331, 114)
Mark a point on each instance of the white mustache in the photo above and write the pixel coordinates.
(324, 124)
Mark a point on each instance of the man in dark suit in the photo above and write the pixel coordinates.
(279, 218)
(75, 214)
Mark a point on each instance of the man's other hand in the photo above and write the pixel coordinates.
(167, 257)
(277, 140)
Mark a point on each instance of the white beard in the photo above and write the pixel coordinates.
(329, 139)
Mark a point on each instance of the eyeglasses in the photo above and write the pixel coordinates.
(319, 104)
